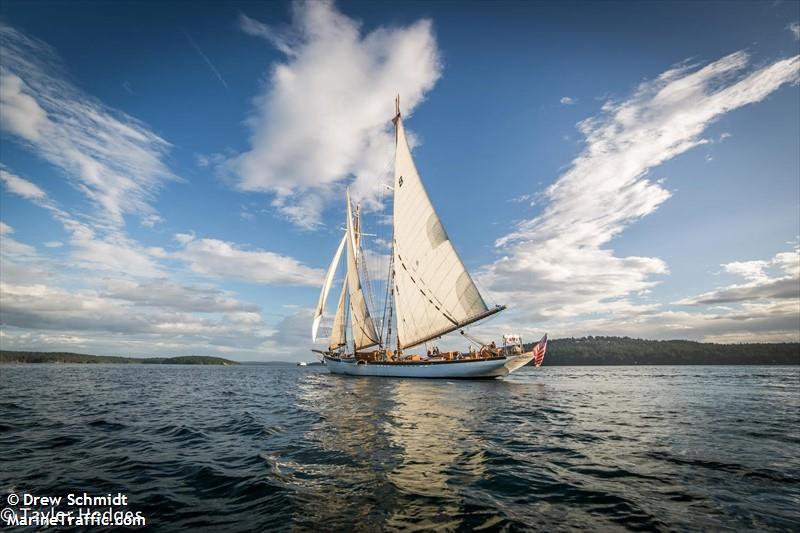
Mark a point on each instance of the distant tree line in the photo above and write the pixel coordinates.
(7, 356)
(628, 351)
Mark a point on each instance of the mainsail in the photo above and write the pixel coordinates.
(364, 334)
(326, 287)
(433, 292)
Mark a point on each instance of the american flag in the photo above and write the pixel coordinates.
(538, 351)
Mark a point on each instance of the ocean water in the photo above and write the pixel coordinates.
(285, 448)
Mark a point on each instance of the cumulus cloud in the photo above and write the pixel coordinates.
(222, 259)
(566, 100)
(560, 263)
(324, 116)
(112, 158)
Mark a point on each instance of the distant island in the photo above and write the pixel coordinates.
(7, 356)
(582, 351)
(628, 351)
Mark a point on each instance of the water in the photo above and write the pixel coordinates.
(257, 448)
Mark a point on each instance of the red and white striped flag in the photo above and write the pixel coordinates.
(538, 351)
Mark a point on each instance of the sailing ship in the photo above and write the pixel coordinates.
(429, 294)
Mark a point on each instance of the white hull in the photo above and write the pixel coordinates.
(464, 369)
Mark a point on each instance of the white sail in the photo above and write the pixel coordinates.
(338, 333)
(433, 292)
(326, 287)
(364, 334)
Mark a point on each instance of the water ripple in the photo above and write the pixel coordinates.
(281, 448)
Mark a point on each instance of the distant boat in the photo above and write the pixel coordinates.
(312, 363)
(428, 288)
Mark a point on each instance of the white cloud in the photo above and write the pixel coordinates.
(14, 249)
(760, 284)
(165, 293)
(324, 115)
(53, 244)
(116, 324)
(150, 221)
(115, 160)
(751, 270)
(111, 252)
(559, 264)
(769, 321)
(21, 113)
(221, 259)
(794, 27)
(566, 100)
(20, 186)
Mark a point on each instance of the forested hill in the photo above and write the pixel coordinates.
(66, 357)
(627, 351)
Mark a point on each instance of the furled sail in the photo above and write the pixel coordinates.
(434, 294)
(364, 334)
(338, 332)
(326, 287)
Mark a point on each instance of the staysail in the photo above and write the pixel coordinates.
(434, 294)
(338, 332)
(364, 334)
(326, 288)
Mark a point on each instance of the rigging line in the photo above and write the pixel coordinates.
(381, 244)
(363, 267)
(346, 320)
(386, 318)
(391, 307)
(362, 323)
(365, 271)
(383, 315)
(389, 299)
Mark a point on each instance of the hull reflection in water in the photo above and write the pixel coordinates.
(398, 463)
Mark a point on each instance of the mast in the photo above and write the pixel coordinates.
(433, 292)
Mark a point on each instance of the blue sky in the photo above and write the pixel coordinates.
(173, 175)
